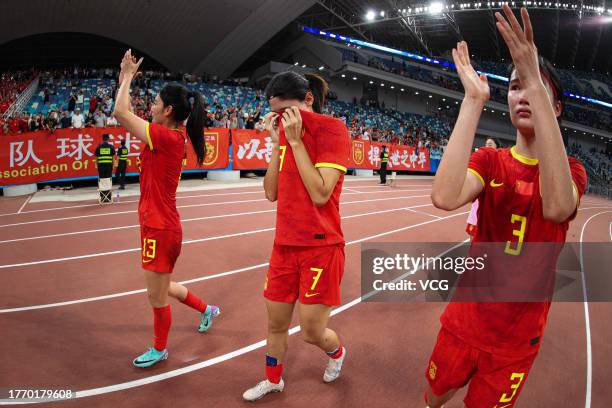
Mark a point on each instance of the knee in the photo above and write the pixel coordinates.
(311, 335)
(156, 299)
(277, 326)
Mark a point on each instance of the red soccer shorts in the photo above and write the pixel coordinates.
(310, 274)
(495, 381)
(160, 249)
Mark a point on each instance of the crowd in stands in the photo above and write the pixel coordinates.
(597, 163)
(12, 83)
(599, 119)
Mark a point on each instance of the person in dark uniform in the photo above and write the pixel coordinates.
(122, 154)
(384, 159)
(104, 157)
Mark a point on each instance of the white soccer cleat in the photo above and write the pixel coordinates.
(334, 367)
(261, 389)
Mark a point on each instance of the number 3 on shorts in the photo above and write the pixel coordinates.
(514, 387)
(315, 279)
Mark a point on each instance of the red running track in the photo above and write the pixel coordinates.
(73, 311)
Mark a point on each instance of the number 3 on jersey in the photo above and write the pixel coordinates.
(520, 233)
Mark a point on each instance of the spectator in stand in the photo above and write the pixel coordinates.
(93, 104)
(89, 120)
(24, 126)
(260, 126)
(80, 99)
(99, 118)
(13, 125)
(72, 103)
(111, 121)
(66, 120)
(78, 121)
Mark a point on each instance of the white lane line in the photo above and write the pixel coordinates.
(424, 213)
(24, 203)
(122, 251)
(131, 292)
(351, 190)
(63, 234)
(180, 206)
(91, 299)
(178, 198)
(587, 321)
(123, 212)
(230, 355)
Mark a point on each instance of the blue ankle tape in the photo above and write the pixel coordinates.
(271, 361)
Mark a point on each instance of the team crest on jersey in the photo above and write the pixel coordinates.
(358, 151)
(432, 370)
(212, 147)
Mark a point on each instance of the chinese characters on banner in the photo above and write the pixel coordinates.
(252, 150)
(69, 153)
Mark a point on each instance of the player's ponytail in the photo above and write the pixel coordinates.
(187, 105)
(195, 125)
(319, 88)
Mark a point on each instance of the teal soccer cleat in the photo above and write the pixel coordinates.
(207, 318)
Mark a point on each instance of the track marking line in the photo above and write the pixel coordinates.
(587, 321)
(24, 203)
(63, 234)
(191, 241)
(91, 299)
(235, 353)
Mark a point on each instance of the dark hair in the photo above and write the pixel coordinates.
(122, 142)
(105, 136)
(549, 72)
(177, 96)
(498, 144)
(292, 85)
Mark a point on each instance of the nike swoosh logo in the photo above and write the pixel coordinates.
(494, 184)
(308, 295)
(150, 260)
(502, 406)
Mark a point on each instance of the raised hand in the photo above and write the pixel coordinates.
(292, 124)
(129, 65)
(270, 122)
(476, 87)
(520, 43)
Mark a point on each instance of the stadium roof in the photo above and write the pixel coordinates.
(184, 35)
(570, 37)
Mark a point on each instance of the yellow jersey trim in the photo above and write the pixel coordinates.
(474, 172)
(331, 165)
(523, 159)
(149, 137)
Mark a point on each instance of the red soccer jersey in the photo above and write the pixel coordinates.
(160, 164)
(299, 221)
(510, 205)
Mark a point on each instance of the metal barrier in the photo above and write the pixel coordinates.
(22, 99)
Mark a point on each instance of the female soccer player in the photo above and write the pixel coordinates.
(527, 193)
(160, 225)
(472, 220)
(305, 176)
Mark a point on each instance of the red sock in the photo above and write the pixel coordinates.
(274, 373)
(336, 354)
(162, 319)
(195, 302)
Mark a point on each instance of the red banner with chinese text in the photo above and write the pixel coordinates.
(69, 153)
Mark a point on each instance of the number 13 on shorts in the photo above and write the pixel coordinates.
(149, 247)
